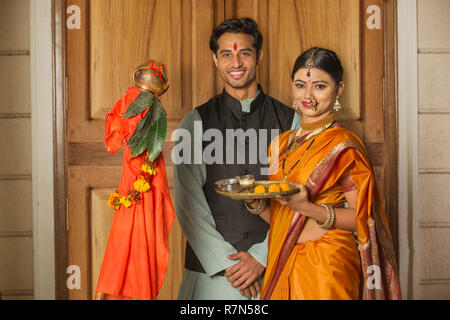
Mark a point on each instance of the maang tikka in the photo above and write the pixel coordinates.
(310, 64)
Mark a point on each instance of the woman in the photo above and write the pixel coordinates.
(313, 252)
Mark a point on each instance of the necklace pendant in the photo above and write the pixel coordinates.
(294, 147)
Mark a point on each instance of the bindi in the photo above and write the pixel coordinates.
(235, 46)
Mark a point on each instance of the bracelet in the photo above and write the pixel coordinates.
(251, 202)
(331, 217)
(259, 209)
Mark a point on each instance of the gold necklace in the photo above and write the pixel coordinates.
(285, 175)
(318, 124)
(295, 146)
(295, 143)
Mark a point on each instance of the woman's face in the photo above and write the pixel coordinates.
(319, 88)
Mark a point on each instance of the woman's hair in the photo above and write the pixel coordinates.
(323, 59)
(240, 25)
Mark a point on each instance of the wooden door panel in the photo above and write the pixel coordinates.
(78, 124)
(202, 69)
(82, 181)
(141, 29)
(101, 218)
(373, 65)
(373, 77)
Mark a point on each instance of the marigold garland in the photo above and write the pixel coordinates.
(141, 185)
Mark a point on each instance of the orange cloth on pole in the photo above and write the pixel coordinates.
(331, 267)
(137, 253)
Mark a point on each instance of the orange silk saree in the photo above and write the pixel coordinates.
(137, 253)
(334, 266)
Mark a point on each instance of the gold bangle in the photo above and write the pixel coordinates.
(331, 217)
(259, 209)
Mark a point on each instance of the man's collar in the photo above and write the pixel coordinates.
(235, 104)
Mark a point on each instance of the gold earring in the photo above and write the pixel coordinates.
(337, 106)
(294, 106)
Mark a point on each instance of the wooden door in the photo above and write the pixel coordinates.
(114, 36)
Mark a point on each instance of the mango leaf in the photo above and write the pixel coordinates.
(140, 145)
(152, 133)
(139, 131)
(157, 135)
(142, 102)
(138, 148)
(157, 112)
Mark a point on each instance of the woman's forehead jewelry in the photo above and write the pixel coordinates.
(310, 63)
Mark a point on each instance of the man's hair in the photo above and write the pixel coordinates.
(239, 25)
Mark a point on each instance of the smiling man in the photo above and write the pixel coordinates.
(226, 248)
(236, 60)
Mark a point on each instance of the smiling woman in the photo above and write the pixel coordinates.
(311, 232)
(315, 89)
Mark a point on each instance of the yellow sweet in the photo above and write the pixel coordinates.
(285, 186)
(260, 189)
(274, 188)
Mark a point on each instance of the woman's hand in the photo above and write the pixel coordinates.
(297, 201)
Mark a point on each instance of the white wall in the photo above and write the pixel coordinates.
(434, 148)
(16, 227)
(42, 147)
(424, 147)
(408, 172)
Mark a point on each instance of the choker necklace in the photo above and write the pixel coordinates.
(318, 124)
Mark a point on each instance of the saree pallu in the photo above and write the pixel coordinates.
(333, 266)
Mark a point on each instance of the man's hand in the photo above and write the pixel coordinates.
(252, 291)
(245, 272)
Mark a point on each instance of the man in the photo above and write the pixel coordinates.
(226, 246)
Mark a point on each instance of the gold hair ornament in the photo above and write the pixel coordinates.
(310, 63)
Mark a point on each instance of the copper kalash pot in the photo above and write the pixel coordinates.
(151, 77)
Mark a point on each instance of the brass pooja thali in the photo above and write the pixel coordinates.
(241, 188)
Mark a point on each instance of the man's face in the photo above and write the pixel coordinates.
(236, 59)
